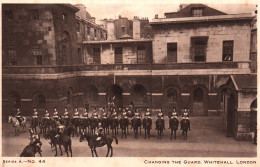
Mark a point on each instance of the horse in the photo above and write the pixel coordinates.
(45, 125)
(124, 122)
(147, 125)
(160, 126)
(75, 123)
(93, 125)
(105, 124)
(60, 139)
(173, 125)
(136, 122)
(15, 123)
(34, 123)
(185, 126)
(114, 123)
(93, 143)
(32, 149)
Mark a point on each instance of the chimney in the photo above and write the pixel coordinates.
(136, 28)
(110, 30)
(156, 16)
(82, 11)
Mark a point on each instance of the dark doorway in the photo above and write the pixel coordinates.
(198, 102)
(139, 96)
(231, 116)
(115, 91)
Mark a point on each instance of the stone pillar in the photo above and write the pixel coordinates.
(111, 30)
(136, 28)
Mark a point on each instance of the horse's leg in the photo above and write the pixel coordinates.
(145, 133)
(140, 130)
(56, 150)
(175, 134)
(171, 133)
(70, 149)
(111, 151)
(95, 152)
(92, 152)
(108, 150)
(60, 150)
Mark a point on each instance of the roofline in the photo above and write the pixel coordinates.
(71, 7)
(87, 21)
(245, 16)
(117, 41)
(195, 4)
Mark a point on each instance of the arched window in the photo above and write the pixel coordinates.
(39, 101)
(171, 95)
(198, 95)
(65, 37)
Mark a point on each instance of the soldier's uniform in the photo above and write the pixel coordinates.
(47, 115)
(160, 114)
(124, 113)
(66, 114)
(114, 114)
(85, 114)
(76, 114)
(95, 114)
(55, 115)
(99, 133)
(104, 114)
(19, 116)
(35, 115)
(147, 114)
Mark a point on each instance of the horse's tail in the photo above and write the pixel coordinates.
(22, 154)
(116, 140)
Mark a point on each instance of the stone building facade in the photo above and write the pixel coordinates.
(195, 58)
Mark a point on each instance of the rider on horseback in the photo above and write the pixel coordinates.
(85, 114)
(147, 113)
(47, 114)
(124, 112)
(185, 114)
(66, 113)
(76, 113)
(114, 114)
(160, 116)
(99, 133)
(137, 114)
(104, 113)
(174, 114)
(19, 116)
(35, 114)
(95, 114)
(55, 115)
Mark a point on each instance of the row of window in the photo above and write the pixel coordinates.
(36, 52)
(88, 31)
(141, 55)
(199, 50)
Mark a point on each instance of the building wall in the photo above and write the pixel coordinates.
(23, 32)
(216, 32)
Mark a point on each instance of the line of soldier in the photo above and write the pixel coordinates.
(104, 114)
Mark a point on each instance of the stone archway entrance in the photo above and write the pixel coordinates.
(139, 96)
(115, 91)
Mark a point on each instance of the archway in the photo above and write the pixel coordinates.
(38, 101)
(231, 106)
(14, 100)
(171, 98)
(253, 115)
(91, 96)
(139, 96)
(116, 92)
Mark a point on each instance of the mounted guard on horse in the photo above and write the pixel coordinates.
(35, 120)
(160, 125)
(185, 123)
(147, 123)
(173, 122)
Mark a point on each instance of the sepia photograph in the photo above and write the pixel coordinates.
(131, 79)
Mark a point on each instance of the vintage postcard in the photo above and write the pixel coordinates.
(143, 83)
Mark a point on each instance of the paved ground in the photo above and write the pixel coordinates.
(206, 139)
